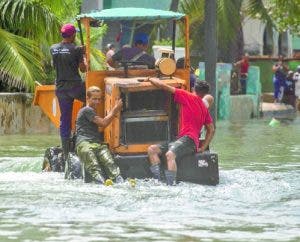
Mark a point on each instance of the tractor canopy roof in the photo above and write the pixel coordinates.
(136, 14)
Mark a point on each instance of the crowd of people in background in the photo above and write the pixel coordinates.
(286, 83)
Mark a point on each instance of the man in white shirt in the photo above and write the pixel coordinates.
(297, 86)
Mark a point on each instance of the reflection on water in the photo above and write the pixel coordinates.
(257, 198)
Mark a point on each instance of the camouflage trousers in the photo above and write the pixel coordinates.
(98, 161)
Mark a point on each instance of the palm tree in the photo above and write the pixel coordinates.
(27, 28)
(20, 61)
(229, 23)
(280, 14)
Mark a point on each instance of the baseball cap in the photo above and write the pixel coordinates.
(141, 38)
(67, 30)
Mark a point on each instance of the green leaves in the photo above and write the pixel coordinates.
(27, 29)
(228, 18)
(194, 8)
(20, 61)
(30, 19)
(97, 57)
(282, 14)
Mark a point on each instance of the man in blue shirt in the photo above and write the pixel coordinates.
(135, 53)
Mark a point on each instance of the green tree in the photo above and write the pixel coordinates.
(24, 27)
(280, 14)
(27, 29)
(229, 29)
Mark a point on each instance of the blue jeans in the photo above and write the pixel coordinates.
(65, 99)
(243, 82)
(278, 88)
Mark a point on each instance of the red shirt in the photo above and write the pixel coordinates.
(244, 67)
(193, 114)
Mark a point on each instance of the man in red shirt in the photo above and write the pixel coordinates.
(244, 66)
(193, 115)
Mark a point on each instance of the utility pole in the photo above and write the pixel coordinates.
(210, 52)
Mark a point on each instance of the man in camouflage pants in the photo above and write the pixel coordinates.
(93, 153)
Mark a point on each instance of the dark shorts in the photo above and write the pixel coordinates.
(181, 147)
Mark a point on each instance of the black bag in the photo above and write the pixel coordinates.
(73, 167)
(53, 160)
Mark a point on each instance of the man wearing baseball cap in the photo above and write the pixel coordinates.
(135, 53)
(68, 59)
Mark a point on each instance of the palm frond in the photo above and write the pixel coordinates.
(20, 61)
(228, 17)
(258, 9)
(31, 19)
(229, 20)
(97, 59)
(194, 9)
(97, 34)
(65, 10)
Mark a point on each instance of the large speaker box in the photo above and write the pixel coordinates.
(200, 168)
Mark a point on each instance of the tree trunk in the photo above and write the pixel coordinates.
(234, 50)
(210, 50)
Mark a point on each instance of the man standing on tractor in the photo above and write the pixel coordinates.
(194, 114)
(67, 58)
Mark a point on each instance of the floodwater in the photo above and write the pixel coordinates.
(258, 198)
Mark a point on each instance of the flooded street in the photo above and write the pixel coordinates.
(258, 198)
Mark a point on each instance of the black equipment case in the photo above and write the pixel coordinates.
(201, 168)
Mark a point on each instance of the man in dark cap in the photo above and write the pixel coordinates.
(135, 53)
(194, 115)
(67, 60)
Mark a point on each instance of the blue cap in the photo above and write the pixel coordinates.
(142, 38)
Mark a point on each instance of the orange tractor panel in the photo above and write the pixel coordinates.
(46, 99)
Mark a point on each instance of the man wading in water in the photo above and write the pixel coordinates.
(93, 153)
(193, 115)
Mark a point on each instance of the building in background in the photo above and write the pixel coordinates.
(260, 39)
